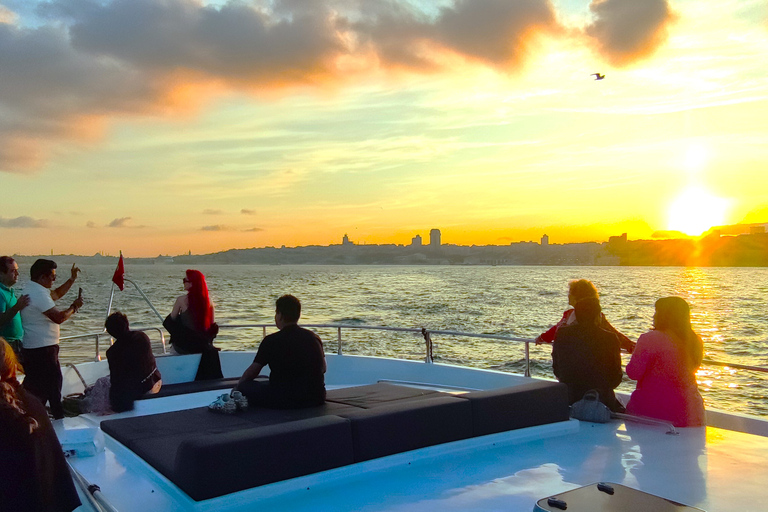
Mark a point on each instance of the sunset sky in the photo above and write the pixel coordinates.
(163, 126)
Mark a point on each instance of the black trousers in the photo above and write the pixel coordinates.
(42, 376)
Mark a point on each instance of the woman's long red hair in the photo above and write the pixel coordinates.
(199, 303)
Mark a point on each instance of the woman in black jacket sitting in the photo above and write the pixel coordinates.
(132, 369)
(192, 327)
(586, 356)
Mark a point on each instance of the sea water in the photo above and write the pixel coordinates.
(728, 311)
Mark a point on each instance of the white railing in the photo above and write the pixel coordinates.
(426, 334)
(97, 337)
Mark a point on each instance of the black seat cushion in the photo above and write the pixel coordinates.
(407, 425)
(210, 466)
(196, 386)
(525, 405)
(208, 454)
(374, 395)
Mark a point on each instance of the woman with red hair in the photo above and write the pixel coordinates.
(34, 475)
(192, 326)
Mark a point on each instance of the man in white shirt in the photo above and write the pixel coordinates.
(41, 320)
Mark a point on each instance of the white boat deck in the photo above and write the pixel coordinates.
(709, 468)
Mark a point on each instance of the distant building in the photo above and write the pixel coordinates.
(545, 240)
(757, 230)
(618, 239)
(345, 240)
(434, 238)
(416, 241)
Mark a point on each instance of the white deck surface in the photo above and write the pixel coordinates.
(709, 468)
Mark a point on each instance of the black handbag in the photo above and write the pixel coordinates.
(590, 408)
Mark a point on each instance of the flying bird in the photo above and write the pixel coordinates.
(597, 76)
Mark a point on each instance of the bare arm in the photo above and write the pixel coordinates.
(180, 305)
(59, 317)
(250, 373)
(7, 315)
(64, 288)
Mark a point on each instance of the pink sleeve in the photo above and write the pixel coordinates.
(640, 358)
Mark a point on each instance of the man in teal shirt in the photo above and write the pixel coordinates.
(10, 320)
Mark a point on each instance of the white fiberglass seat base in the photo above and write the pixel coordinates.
(709, 468)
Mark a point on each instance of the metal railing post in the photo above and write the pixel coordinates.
(527, 359)
(146, 299)
(98, 350)
(428, 341)
(339, 351)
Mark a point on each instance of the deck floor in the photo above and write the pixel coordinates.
(713, 469)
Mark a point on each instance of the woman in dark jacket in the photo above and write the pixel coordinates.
(132, 369)
(34, 476)
(192, 327)
(585, 356)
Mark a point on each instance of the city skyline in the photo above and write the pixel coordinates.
(435, 241)
(160, 127)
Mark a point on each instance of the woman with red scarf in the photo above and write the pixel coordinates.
(192, 326)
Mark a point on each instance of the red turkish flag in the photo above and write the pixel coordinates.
(119, 274)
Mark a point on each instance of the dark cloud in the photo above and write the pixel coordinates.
(51, 91)
(94, 60)
(627, 30)
(246, 211)
(122, 222)
(23, 222)
(210, 211)
(497, 32)
(253, 230)
(216, 227)
(90, 224)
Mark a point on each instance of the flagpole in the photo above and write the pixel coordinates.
(109, 304)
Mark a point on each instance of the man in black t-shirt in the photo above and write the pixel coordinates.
(296, 362)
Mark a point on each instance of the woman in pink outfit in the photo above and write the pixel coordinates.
(664, 365)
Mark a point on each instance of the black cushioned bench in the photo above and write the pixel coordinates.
(196, 386)
(209, 455)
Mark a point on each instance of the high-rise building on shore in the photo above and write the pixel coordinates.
(434, 238)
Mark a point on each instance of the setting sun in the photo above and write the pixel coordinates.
(695, 211)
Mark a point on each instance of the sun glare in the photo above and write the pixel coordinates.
(696, 158)
(695, 211)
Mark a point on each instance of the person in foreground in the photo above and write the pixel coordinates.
(10, 306)
(585, 356)
(579, 290)
(192, 326)
(132, 369)
(664, 365)
(296, 361)
(33, 475)
(41, 320)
